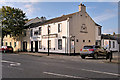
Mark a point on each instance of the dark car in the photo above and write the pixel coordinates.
(93, 51)
(6, 49)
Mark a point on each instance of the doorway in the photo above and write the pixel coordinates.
(36, 46)
(31, 46)
(24, 46)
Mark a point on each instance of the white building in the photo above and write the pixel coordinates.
(68, 33)
(110, 42)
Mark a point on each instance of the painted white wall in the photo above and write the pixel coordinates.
(105, 44)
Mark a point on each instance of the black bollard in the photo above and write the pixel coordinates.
(110, 56)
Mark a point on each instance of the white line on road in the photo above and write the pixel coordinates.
(62, 75)
(101, 72)
(12, 63)
(95, 71)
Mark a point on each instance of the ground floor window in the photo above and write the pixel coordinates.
(10, 44)
(40, 44)
(14, 44)
(6, 43)
(109, 44)
(60, 44)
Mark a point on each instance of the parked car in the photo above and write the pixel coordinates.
(93, 51)
(6, 49)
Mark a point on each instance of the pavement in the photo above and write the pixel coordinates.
(116, 56)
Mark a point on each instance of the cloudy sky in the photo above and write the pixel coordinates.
(103, 13)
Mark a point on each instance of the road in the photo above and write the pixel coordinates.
(27, 66)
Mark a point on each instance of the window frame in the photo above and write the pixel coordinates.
(59, 27)
(60, 44)
(40, 44)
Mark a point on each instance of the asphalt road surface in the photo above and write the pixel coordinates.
(27, 66)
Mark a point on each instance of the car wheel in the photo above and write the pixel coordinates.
(83, 57)
(95, 56)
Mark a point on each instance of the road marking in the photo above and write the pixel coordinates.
(12, 63)
(62, 75)
(95, 71)
(101, 72)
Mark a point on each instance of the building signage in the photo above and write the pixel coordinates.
(50, 36)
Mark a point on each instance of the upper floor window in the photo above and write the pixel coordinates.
(24, 33)
(49, 29)
(40, 31)
(36, 33)
(113, 44)
(59, 28)
(99, 31)
(109, 44)
(31, 33)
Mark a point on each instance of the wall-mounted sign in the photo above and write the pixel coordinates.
(50, 36)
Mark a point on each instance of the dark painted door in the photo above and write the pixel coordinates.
(36, 46)
(24, 46)
(31, 46)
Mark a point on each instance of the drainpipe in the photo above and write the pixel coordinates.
(68, 35)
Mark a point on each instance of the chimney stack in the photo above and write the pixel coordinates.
(82, 7)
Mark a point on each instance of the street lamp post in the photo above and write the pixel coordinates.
(48, 38)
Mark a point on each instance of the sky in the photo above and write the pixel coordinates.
(103, 13)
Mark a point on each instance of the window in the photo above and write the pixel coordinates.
(77, 40)
(49, 44)
(89, 40)
(10, 44)
(59, 28)
(99, 31)
(24, 33)
(40, 44)
(83, 40)
(36, 33)
(14, 44)
(113, 44)
(40, 31)
(31, 33)
(6, 43)
(109, 44)
(49, 29)
(60, 44)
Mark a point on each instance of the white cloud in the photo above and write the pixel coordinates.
(111, 30)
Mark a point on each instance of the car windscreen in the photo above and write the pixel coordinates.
(88, 47)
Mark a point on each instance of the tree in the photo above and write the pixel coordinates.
(12, 21)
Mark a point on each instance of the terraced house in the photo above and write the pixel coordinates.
(66, 34)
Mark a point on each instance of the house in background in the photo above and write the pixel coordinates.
(25, 39)
(67, 33)
(111, 42)
(11, 41)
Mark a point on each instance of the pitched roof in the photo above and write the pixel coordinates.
(57, 19)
